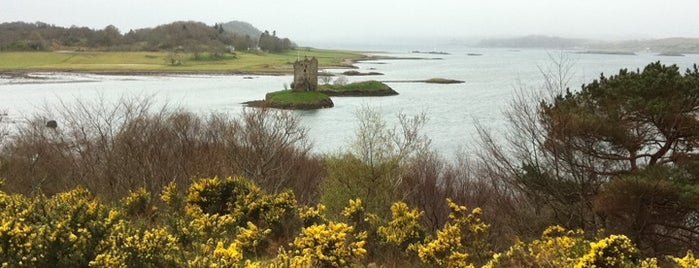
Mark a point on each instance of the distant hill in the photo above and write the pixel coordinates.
(665, 45)
(241, 28)
(533, 41)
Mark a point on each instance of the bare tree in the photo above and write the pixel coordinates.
(551, 187)
(112, 148)
(3, 134)
(325, 78)
(266, 145)
(341, 80)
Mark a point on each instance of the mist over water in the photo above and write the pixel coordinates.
(490, 81)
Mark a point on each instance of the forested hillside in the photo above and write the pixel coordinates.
(189, 36)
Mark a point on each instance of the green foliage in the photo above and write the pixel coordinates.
(630, 119)
(651, 207)
(350, 178)
(371, 170)
(273, 44)
(620, 145)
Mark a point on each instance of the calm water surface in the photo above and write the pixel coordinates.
(452, 110)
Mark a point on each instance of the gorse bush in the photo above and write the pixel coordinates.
(75, 229)
(66, 230)
(404, 229)
(330, 245)
(459, 241)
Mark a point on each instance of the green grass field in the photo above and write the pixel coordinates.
(159, 61)
(287, 99)
(288, 96)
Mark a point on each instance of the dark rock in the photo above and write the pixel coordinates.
(52, 124)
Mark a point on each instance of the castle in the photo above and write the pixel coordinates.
(305, 75)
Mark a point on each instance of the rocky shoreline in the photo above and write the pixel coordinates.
(428, 81)
(328, 103)
(360, 93)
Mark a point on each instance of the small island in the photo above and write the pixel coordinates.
(608, 52)
(443, 81)
(306, 94)
(303, 94)
(429, 52)
(366, 88)
(671, 54)
(358, 73)
(289, 99)
(429, 81)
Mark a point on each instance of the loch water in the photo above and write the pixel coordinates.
(491, 76)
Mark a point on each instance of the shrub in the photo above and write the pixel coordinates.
(613, 251)
(62, 231)
(463, 233)
(330, 245)
(557, 247)
(126, 247)
(74, 229)
(244, 202)
(139, 204)
(687, 261)
(404, 230)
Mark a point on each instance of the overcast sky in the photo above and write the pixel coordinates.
(382, 21)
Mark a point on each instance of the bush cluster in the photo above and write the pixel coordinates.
(232, 223)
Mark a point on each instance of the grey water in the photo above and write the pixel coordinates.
(491, 78)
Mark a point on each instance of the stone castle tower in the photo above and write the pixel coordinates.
(305, 75)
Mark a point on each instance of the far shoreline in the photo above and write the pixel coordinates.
(263, 69)
(19, 64)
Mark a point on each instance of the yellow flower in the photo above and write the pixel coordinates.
(613, 251)
(333, 244)
(687, 261)
(72, 237)
(464, 232)
(404, 229)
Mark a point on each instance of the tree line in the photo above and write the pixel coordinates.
(188, 36)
